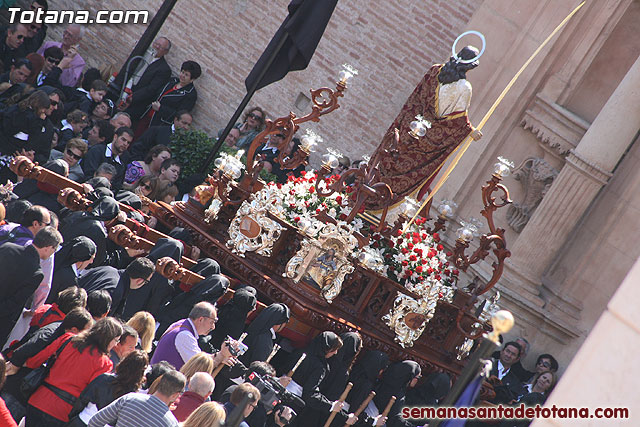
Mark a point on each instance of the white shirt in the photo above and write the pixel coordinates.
(187, 344)
(502, 371)
(109, 153)
(65, 125)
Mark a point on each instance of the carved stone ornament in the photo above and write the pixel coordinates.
(557, 128)
(324, 262)
(536, 176)
(251, 229)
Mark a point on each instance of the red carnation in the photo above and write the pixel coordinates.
(440, 247)
(413, 258)
(416, 240)
(312, 189)
(410, 245)
(339, 200)
(404, 250)
(419, 269)
(429, 270)
(436, 237)
(296, 219)
(318, 210)
(405, 262)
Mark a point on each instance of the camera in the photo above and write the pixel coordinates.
(274, 397)
(236, 348)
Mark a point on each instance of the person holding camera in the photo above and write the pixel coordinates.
(180, 342)
(276, 402)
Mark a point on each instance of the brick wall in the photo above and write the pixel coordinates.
(391, 43)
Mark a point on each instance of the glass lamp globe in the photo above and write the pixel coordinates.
(410, 207)
(330, 161)
(220, 163)
(418, 129)
(503, 167)
(446, 208)
(346, 73)
(464, 234)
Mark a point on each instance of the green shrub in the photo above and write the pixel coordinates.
(191, 148)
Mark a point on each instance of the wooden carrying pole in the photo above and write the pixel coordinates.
(218, 368)
(342, 398)
(364, 405)
(298, 363)
(276, 348)
(389, 405)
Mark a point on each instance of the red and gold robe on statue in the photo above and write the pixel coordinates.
(418, 160)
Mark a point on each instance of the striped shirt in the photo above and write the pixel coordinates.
(135, 410)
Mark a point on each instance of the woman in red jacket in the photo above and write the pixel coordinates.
(84, 358)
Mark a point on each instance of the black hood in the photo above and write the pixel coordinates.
(129, 198)
(273, 315)
(395, 380)
(435, 388)
(206, 267)
(105, 209)
(321, 344)
(78, 249)
(166, 247)
(351, 345)
(244, 299)
(100, 182)
(370, 364)
(181, 234)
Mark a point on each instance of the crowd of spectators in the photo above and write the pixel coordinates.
(123, 345)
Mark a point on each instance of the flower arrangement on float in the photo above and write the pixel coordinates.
(414, 259)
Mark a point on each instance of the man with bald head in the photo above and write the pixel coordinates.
(10, 41)
(72, 64)
(154, 76)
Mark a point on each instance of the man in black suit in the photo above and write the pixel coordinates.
(20, 266)
(11, 39)
(145, 91)
(112, 153)
(505, 382)
(160, 135)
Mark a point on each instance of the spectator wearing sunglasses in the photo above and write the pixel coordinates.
(36, 31)
(72, 153)
(252, 125)
(10, 41)
(72, 64)
(46, 71)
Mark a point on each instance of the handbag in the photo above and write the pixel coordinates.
(35, 378)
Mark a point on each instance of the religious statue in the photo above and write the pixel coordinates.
(408, 164)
